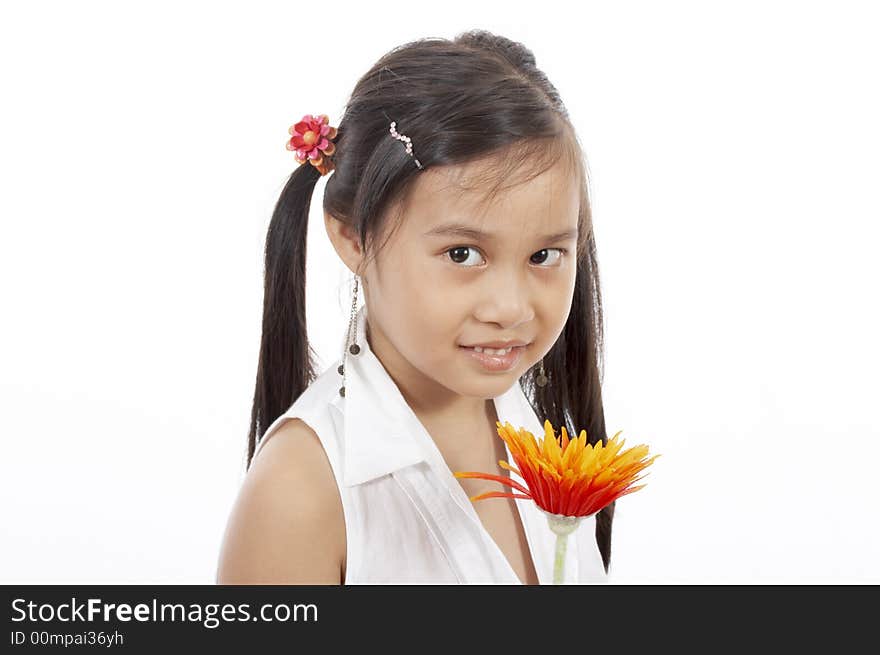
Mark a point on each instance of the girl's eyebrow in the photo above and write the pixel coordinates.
(468, 232)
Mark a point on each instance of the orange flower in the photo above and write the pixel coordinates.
(574, 478)
(568, 481)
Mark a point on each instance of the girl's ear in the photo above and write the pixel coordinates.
(345, 241)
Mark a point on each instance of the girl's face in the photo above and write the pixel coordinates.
(455, 274)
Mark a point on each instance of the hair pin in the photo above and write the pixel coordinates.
(406, 140)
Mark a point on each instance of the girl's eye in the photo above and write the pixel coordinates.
(542, 256)
(460, 254)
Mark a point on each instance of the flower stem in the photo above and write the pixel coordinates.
(559, 562)
(561, 526)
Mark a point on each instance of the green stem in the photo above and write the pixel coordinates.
(559, 562)
(561, 526)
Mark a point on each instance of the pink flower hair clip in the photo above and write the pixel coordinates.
(311, 141)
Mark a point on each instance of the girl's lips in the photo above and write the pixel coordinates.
(496, 362)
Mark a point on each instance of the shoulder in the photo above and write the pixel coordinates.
(287, 524)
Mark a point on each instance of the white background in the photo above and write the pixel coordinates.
(733, 156)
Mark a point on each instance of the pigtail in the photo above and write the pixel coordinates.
(574, 365)
(588, 408)
(286, 363)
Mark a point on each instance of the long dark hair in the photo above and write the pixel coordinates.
(479, 96)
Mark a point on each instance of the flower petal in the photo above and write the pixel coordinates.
(499, 494)
(489, 476)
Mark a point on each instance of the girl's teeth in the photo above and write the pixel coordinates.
(492, 351)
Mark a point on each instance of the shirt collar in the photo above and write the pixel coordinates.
(381, 428)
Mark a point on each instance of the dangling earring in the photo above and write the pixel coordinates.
(541, 379)
(354, 349)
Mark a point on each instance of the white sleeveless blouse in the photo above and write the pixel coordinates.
(407, 518)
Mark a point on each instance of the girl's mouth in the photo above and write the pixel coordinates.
(496, 362)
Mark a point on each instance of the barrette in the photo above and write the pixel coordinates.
(406, 140)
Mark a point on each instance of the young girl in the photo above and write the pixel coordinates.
(458, 199)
